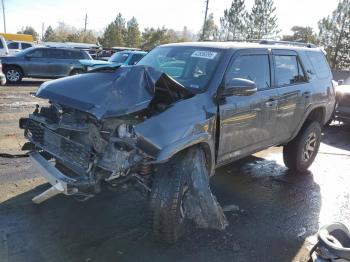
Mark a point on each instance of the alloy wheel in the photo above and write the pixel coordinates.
(309, 147)
(13, 75)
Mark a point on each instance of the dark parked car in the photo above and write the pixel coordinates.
(168, 122)
(43, 62)
(342, 109)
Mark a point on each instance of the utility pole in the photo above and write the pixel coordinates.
(42, 31)
(85, 24)
(3, 15)
(205, 18)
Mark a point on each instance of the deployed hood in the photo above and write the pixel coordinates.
(110, 94)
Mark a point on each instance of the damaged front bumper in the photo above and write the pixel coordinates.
(74, 167)
(61, 184)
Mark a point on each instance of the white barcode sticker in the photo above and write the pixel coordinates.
(204, 54)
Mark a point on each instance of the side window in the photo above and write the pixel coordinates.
(73, 54)
(135, 58)
(37, 53)
(319, 63)
(26, 45)
(288, 70)
(54, 53)
(13, 45)
(252, 67)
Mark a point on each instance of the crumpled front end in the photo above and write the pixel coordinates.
(82, 150)
(87, 133)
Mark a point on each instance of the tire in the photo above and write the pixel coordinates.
(168, 217)
(13, 74)
(76, 72)
(295, 154)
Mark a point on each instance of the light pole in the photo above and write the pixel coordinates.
(3, 14)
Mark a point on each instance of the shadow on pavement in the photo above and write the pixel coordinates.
(28, 82)
(337, 135)
(277, 210)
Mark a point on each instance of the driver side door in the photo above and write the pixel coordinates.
(247, 123)
(36, 63)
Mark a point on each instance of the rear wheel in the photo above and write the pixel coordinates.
(13, 74)
(299, 154)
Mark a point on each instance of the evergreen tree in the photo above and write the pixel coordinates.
(210, 31)
(262, 21)
(49, 35)
(152, 37)
(115, 33)
(133, 34)
(334, 35)
(232, 24)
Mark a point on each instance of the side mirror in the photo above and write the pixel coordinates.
(28, 57)
(239, 87)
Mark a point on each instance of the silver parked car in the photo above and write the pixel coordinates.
(43, 62)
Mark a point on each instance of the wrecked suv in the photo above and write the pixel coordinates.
(167, 123)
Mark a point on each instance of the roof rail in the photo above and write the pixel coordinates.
(276, 42)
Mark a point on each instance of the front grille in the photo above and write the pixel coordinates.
(75, 154)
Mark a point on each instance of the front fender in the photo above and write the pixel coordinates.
(186, 142)
(186, 123)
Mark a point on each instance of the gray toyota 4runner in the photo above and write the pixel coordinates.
(167, 123)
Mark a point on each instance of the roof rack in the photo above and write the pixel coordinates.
(274, 42)
(277, 42)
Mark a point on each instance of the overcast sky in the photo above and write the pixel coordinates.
(150, 13)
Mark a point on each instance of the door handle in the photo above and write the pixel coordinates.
(271, 102)
(307, 94)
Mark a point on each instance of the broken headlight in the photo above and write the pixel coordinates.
(125, 131)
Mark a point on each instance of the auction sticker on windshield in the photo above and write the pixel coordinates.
(204, 54)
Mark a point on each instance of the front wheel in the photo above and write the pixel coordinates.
(169, 188)
(13, 74)
(299, 154)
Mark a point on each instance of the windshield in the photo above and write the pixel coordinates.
(119, 57)
(192, 67)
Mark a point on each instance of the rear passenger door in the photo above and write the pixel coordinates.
(247, 123)
(293, 92)
(55, 62)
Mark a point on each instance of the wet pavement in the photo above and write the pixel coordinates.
(274, 216)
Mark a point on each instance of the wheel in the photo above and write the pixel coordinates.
(299, 154)
(171, 184)
(13, 74)
(76, 72)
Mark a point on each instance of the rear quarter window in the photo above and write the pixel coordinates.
(74, 54)
(319, 64)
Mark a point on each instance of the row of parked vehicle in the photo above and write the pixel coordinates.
(55, 62)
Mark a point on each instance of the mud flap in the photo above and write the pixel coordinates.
(200, 205)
